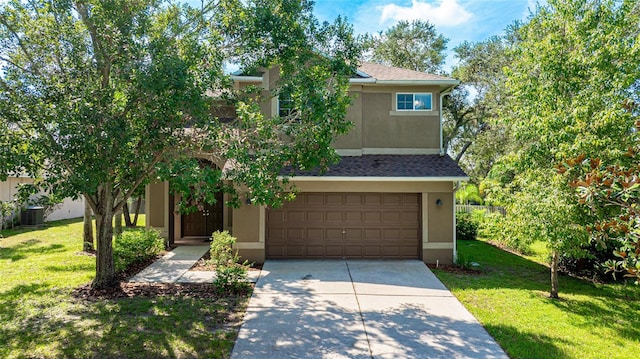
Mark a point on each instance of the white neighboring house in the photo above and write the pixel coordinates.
(67, 209)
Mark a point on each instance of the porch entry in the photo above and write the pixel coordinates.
(203, 223)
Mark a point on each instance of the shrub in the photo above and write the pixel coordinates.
(230, 274)
(466, 227)
(136, 246)
(463, 261)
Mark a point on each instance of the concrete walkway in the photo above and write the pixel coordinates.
(174, 268)
(357, 309)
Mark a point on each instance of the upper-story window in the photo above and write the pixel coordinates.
(285, 104)
(413, 102)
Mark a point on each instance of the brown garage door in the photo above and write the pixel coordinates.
(349, 225)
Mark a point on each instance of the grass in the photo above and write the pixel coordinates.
(510, 298)
(39, 318)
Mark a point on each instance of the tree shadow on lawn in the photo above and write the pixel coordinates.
(526, 345)
(138, 327)
(24, 249)
(7, 233)
(607, 304)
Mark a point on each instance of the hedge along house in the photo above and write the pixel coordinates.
(390, 197)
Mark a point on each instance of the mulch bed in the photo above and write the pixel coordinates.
(150, 290)
(125, 289)
(455, 269)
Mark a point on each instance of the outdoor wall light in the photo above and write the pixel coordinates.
(248, 200)
(439, 202)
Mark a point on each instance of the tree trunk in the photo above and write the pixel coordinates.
(135, 216)
(118, 225)
(105, 269)
(87, 242)
(554, 275)
(127, 216)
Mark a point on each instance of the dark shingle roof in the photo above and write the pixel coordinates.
(389, 166)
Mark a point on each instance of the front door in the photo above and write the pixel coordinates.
(205, 222)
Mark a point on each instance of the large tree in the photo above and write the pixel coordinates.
(574, 67)
(412, 45)
(472, 133)
(99, 97)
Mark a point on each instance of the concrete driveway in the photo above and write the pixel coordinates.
(357, 309)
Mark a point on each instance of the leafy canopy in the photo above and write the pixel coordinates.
(100, 97)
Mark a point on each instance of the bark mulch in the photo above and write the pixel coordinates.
(455, 269)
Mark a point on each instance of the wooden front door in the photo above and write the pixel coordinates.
(205, 222)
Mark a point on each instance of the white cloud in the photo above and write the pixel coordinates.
(442, 14)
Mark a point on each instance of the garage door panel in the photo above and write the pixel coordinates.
(296, 251)
(372, 200)
(392, 199)
(333, 199)
(371, 217)
(335, 251)
(334, 234)
(353, 251)
(353, 234)
(315, 234)
(352, 225)
(315, 251)
(353, 199)
(334, 216)
(295, 234)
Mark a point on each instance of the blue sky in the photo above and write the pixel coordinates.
(457, 20)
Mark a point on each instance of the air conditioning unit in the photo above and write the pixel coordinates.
(32, 217)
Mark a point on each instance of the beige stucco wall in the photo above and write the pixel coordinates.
(353, 138)
(156, 208)
(383, 127)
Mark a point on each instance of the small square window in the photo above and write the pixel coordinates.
(413, 102)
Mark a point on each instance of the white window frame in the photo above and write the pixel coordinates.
(413, 94)
(278, 109)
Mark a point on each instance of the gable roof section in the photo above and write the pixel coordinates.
(386, 167)
(390, 73)
(369, 72)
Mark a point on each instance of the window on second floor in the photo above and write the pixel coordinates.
(413, 102)
(285, 104)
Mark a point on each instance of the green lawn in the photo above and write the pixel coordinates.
(510, 298)
(39, 318)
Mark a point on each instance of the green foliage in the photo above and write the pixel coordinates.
(507, 298)
(464, 261)
(100, 97)
(613, 193)
(42, 317)
(469, 193)
(412, 45)
(231, 275)
(471, 132)
(556, 110)
(136, 246)
(466, 227)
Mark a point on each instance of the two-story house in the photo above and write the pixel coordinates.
(390, 197)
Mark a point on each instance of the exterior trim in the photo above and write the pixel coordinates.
(374, 179)
(368, 80)
(249, 245)
(438, 245)
(349, 152)
(399, 151)
(246, 78)
(413, 113)
(418, 82)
